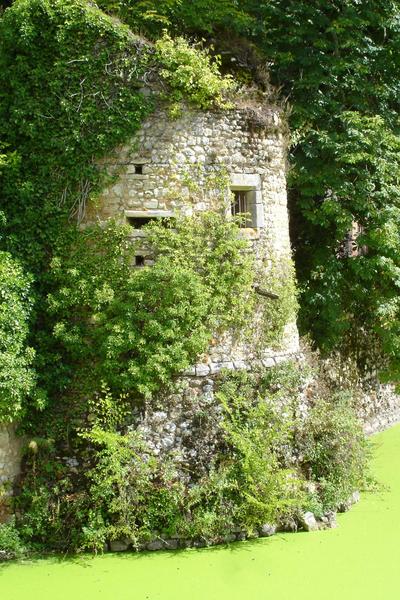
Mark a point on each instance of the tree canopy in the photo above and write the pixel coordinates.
(335, 65)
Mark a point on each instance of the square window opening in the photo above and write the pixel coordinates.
(241, 206)
(138, 169)
(139, 260)
(139, 222)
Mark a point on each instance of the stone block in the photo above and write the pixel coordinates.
(202, 370)
(267, 530)
(119, 545)
(268, 363)
(308, 521)
(155, 545)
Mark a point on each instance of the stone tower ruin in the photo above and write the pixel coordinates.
(168, 157)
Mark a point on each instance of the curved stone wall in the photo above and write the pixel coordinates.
(176, 166)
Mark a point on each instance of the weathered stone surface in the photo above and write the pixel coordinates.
(119, 545)
(171, 544)
(345, 506)
(308, 521)
(267, 530)
(230, 537)
(199, 145)
(328, 521)
(10, 461)
(202, 370)
(155, 545)
(253, 159)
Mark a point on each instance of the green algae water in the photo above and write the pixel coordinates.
(359, 560)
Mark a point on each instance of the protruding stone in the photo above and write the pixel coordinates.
(353, 499)
(308, 521)
(268, 363)
(267, 530)
(240, 365)
(202, 370)
(119, 545)
(230, 537)
(155, 545)
(171, 544)
(328, 520)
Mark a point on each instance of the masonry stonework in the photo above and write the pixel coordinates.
(181, 167)
(10, 459)
(174, 167)
(177, 167)
(185, 166)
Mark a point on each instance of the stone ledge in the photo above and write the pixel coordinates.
(304, 522)
(212, 368)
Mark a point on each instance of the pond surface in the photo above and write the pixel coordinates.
(359, 560)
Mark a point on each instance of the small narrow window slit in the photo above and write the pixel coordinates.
(139, 260)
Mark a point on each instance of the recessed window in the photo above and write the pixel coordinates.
(137, 219)
(139, 222)
(139, 260)
(138, 169)
(241, 206)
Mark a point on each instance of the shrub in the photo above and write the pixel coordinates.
(256, 431)
(137, 328)
(334, 450)
(17, 377)
(192, 74)
(11, 545)
(132, 493)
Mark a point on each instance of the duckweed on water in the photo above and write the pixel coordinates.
(359, 560)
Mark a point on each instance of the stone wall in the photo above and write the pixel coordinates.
(10, 459)
(379, 408)
(175, 166)
(187, 424)
(194, 164)
(173, 154)
(186, 166)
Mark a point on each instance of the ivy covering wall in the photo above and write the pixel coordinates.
(92, 340)
(335, 64)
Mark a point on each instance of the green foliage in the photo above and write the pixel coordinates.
(315, 461)
(69, 79)
(193, 16)
(53, 506)
(71, 96)
(107, 337)
(226, 268)
(280, 279)
(131, 492)
(265, 490)
(337, 63)
(137, 328)
(334, 450)
(268, 467)
(192, 74)
(17, 378)
(11, 545)
(359, 294)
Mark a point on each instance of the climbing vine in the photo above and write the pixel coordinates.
(192, 75)
(70, 79)
(336, 65)
(17, 377)
(107, 338)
